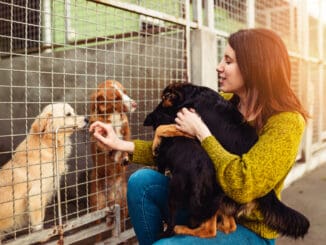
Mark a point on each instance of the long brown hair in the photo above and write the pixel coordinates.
(265, 66)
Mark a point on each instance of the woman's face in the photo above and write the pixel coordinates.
(230, 78)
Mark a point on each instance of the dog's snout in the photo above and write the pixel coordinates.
(86, 120)
(132, 105)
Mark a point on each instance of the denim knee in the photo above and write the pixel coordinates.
(140, 179)
(147, 202)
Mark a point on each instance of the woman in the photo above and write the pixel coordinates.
(255, 73)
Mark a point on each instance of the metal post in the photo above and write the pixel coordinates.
(47, 25)
(251, 13)
(117, 228)
(69, 34)
(292, 23)
(187, 40)
(209, 14)
(305, 80)
(321, 68)
(197, 12)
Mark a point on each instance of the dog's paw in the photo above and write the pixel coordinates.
(203, 231)
(226, 224)
(156, 151)
(156, 146)
(125, 161)
(180, 229)
(167, 233)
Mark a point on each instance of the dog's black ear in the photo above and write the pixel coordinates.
(149, 120)
(188, 95)
(160, 116)
(189, 103)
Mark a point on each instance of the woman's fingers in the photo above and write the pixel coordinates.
(177, 120)
(100, 130)
(192, 110)
(93, 126)
(96, 124)
(98, 135)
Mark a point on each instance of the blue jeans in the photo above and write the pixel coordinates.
(148, 206)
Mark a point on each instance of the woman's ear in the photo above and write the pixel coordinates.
(41, 123)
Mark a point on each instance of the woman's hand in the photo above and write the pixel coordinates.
(105, 133)
(188, 121)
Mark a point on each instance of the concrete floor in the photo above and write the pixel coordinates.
(308, 195)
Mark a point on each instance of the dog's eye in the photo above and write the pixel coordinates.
(68, 114)
(167, 96)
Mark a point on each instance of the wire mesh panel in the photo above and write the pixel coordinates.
(324, 38)
(313, 37)
(230, 15)
(295, 75)
(324, 103)
(221, 44)
(19, 25)
(279, 16)
(175, 8)
(87, 43)
(314, 83)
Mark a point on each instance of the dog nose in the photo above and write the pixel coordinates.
(86, 120)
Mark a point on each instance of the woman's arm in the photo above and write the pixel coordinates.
(141, 150)
(104, 132)
(267, 163)
(143, 153)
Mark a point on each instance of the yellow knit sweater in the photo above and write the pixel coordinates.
(252, 175)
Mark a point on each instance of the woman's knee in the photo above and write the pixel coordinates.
(143, 178)
(147, 183)
(140, 178)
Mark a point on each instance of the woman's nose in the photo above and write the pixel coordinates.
(219, 67)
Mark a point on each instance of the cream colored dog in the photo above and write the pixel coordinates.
(28, 180)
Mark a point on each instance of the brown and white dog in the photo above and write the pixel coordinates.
(28, 180)
(109, 104)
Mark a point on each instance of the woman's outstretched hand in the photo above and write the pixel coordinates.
(188, 121)
(105, 133)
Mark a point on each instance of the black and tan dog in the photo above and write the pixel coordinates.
(193, 183)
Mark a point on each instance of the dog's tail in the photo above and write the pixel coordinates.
(281, 218)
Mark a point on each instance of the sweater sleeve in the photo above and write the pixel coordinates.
(143, 152)
(265, 166)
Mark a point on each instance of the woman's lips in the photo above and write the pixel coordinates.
(221, 80)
